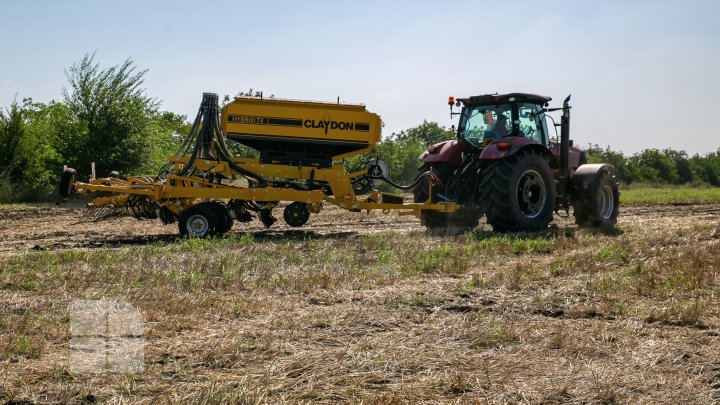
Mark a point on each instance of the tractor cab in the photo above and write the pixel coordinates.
(488, 118)
(494, 126)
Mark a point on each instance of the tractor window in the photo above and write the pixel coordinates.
(530, 124)
(481, 125)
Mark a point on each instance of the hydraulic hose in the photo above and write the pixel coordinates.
(204, 134)
(412, 185)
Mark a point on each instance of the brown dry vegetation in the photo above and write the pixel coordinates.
(369, 309)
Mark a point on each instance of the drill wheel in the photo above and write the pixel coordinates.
(199, 221)
(296, 214)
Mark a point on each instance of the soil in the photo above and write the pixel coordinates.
(51, 228)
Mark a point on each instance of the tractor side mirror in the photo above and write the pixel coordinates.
(571, 143)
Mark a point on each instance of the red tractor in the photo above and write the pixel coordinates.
(504, 166)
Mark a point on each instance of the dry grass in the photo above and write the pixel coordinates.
(378, 312)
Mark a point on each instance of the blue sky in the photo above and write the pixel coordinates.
(642, 74)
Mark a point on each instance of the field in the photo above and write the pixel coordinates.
(369, 309)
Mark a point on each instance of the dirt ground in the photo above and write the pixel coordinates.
(587, 318)
(53, 228)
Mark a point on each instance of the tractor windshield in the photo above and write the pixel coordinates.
(481, 125)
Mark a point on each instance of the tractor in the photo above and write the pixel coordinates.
(504, 165)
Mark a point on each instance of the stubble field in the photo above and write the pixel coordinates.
(370, 309)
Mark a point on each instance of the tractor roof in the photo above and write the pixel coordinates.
(490, 99)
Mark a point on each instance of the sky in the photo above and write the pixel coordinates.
(642, 74)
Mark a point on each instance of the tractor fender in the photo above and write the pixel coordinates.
(586, 175)
(492, 152)
(444, 152)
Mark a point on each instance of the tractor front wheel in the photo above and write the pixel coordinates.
(599, 204)
(519, 193)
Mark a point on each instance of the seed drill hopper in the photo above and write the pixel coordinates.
(205, 188)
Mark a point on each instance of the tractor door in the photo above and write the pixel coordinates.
(531, 123)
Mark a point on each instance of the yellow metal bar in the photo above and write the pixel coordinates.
(264, 194)
(242, 193)
(441, 206)
(93, 188)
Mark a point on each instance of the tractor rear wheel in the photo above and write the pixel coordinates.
(444, 223)
(519, 193)
(200, 221)
(599, 205)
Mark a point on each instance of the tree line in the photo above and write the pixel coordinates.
(106, 117)
(660, 167)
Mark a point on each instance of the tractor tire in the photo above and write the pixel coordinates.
(599, 205)
(444, 223)
(226, 221)
(519, 193)
(66, 182)
(200, 221)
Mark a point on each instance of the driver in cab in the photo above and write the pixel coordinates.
(500, 127)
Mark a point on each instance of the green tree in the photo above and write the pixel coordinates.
(43, 123)
(164, 132)
(427, 133)
(655, 167)
(682, 165)
(116, 119)
(596, 154)
(12, 131)
(707, 168)
(28, 162)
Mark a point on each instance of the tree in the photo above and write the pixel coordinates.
(165, 131)
(707, 168)
(26, 161)
(427, 133)
(12, 131)
(682, 166)
(595, 154)
(115, 118)
(655, 167)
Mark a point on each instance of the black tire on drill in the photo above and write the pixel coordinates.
(444, 223)
(200, 221)
(599, 205)
(66, 182)
(519, 193)
(226, 221)
(296, 214)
